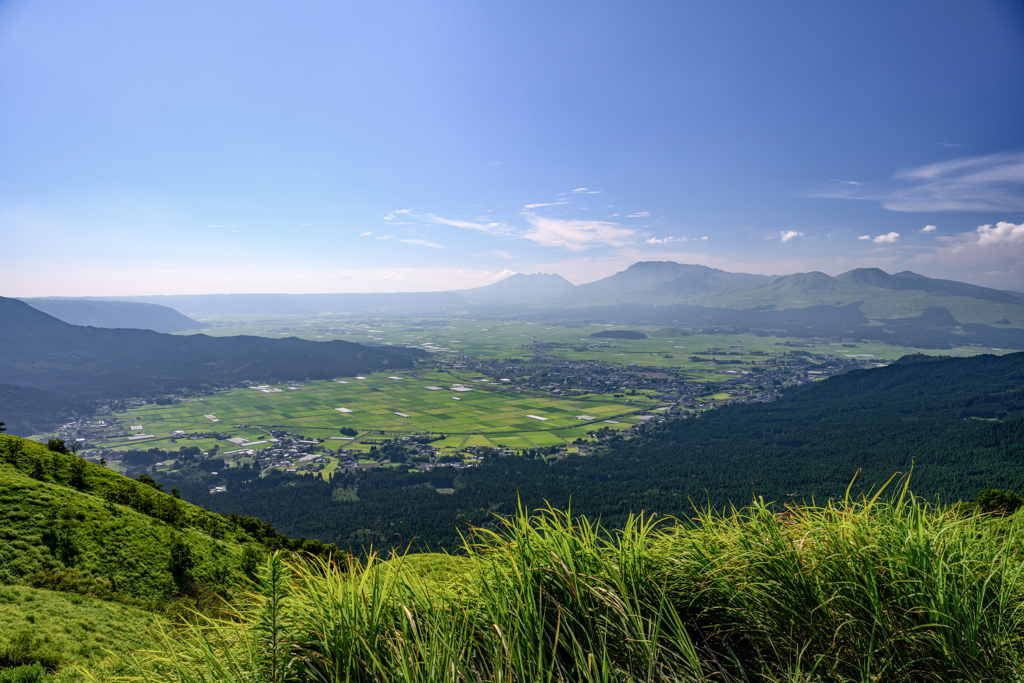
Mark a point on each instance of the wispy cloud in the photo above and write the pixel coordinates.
(665, 240)
(537, 206)
(583, 190)
(422, 243)
(929, 228)
(575, 235)
(384, 237)
(503, 254)
(987, 183)
(491, 228)
(787, 235)
(396, 214)
(1003, 233)
(364, 234)
(638, 214)
(864, 237)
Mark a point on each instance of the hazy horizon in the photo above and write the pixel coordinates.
(186, 148)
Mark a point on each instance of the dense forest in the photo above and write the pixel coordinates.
(33, 411)
(957, 423)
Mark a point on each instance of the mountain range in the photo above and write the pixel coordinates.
(866, 303)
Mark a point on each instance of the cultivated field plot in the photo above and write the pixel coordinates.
(490, 339)
(381, 402)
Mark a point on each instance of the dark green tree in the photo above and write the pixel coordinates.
(149, 481)
(996, 501)
(57, 446)
(181, 561)
(78, 474)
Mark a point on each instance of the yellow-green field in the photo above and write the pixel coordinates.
(398, 404)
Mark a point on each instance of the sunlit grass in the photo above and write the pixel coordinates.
(869, 590)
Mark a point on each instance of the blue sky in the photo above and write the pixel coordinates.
(192, 147)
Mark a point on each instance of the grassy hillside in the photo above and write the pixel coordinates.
(52, 630)
(76, 526)
(92, 561)
(857, 591)
(56, 536)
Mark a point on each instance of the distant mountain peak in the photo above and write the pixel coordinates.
(521, 288)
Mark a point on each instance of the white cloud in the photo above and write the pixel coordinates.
(1003, 233)
(422, 243)
(665, 240)
(864, 237)
(639, 214)
(929, 228)
(364, 234)
(395, 214)
(787, 235)
(704, 237)
(583, 190)
(384, 237)
(489, 228)
(503, 254)
(537, 206)
(987, 183)
(575, 235)
(887, 238)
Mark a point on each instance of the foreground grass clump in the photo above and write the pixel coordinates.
(854, 591)
(44, 631)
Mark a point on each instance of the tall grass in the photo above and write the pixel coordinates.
(866, 590)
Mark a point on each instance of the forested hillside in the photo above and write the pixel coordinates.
(34, 411)
(958, 423)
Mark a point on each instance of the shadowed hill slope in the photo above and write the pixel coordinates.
(116, 314)
(39, 351)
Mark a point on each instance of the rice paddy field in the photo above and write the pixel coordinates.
(494, 339)
(469, 409)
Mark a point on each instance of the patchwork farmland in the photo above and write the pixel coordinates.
(459, 406)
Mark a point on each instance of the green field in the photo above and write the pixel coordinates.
(380, 403)
(485, 413)
(483, 340)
